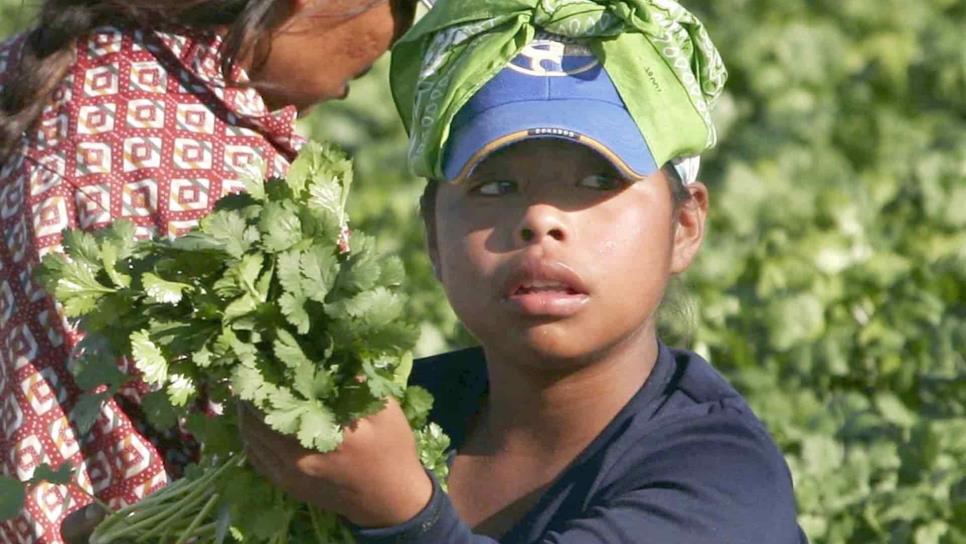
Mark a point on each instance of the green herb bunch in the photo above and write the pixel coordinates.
(269, 302)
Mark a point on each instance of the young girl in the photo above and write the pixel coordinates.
(559, 211)
(147, 111)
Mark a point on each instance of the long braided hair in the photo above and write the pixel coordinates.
(47, 51)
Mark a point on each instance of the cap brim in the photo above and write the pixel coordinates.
(604, 127)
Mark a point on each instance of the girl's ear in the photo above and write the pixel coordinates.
(689, 227)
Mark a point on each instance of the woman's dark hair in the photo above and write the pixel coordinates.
(48, 50)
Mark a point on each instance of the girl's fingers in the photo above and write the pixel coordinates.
(263, 446)
(254, 429)
(261, 461)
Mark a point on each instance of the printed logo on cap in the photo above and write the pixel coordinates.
(553, 56)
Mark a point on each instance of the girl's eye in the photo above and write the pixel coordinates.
(496, 188)
(601, 182)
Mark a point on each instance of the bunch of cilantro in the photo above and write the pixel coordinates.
(268, 302)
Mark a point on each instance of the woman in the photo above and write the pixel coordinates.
(146, 111)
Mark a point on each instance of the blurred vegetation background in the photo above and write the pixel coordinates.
(832, 287)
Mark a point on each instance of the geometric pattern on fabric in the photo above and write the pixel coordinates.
(143, 128)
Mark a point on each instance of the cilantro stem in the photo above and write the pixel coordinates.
(212, 501)
(175, 489)
(163, 510)
(144, 507)
(316, 528)
(157, 521)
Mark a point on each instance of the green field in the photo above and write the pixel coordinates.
(832, 287)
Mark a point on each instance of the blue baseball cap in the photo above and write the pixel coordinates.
(555, 88)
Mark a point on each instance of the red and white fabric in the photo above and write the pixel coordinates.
(143, 128)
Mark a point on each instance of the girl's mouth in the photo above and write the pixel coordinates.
(541, 289)
(545, 287)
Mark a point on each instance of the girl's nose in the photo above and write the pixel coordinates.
(542, 222)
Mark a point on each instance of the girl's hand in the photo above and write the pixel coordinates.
(374, 478)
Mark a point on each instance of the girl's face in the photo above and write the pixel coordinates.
(546, 251)
(322, 45)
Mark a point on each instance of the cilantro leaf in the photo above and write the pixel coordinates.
(228, 229)
(87, 410)
(93, 363)
(195, 242)
(287, 349)
(120, 236)
(246, 204)
(416, 405)
(240, 307)
(380, 381)
(355, 402)
(181, 337)
(403, 369)
(320, 268)
(264, 283)
(204, 357)
(392, 273)
(379, 306)
(248, 271)
(75, 285)
(320, 226)
(278, 191)
(433, 444)
(162, 291)
(82, 247)
(218, 434)
(12, 497)
(246, 353)
(293, 308)
(280, 227)
(289, 268)
(266, 523)
(148, 358)
(326, 193)
(331, 180)
(158, 410)
(254, 186)
(52, 268)
(180, 389)
(318, 429)
(394, 336)
(286, 412)
(304, 380)
(110, 254)
(302, 169)
(359, 274)
(324, 384)
(62, 475)
(248, 384)
(258, 510)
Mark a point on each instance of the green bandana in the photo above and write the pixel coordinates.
(658, 54)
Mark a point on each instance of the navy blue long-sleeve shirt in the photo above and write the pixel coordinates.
(685, 461)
